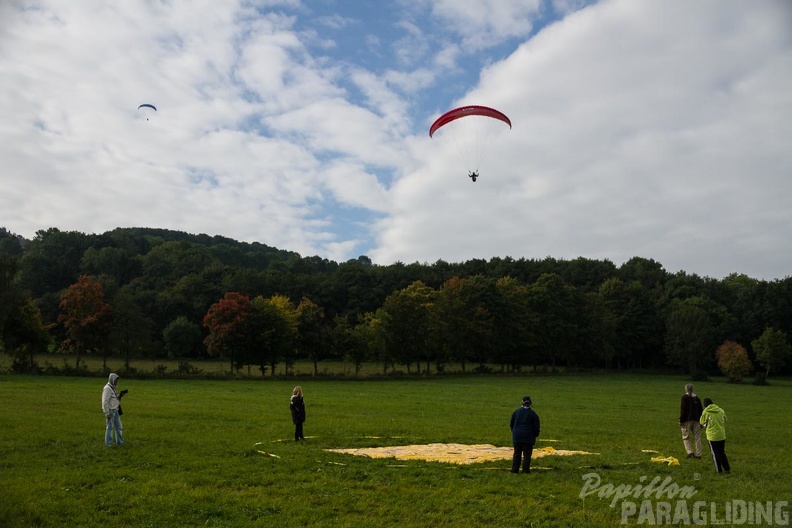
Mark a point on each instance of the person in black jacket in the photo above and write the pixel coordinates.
(297, 407)
(525, 428)
(689, 415)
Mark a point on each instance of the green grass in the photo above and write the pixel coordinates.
(192, 455)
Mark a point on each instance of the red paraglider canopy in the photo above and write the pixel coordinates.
(463, 111)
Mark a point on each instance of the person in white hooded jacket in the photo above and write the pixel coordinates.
(111, 408)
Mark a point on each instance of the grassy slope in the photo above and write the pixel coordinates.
(192, 457)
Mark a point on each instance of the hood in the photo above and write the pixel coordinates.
(713, 408)
(112, 379)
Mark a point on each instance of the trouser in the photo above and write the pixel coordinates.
(114, 426)
(298, 431)
(718, 448)
(522, 453)
(691, 428)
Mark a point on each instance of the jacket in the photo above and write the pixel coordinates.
(109, 396)
(297, 407)
(714, 419)
(524, 426)
(690, 408)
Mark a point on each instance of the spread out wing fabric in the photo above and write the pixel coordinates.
(465, 111)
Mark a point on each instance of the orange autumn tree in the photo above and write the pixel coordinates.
(227, 323)
(733, 361)
(86, 317)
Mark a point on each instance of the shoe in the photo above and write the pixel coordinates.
(690, 455)
(696, 456)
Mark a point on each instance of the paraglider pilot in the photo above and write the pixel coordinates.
(473, 175)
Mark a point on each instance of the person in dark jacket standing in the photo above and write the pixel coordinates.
(689, 416)
(525, 428)
(297, 406)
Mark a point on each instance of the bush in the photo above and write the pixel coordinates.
(22, 365)
(66, 370)
(733, 361)
(760, 378)
(187, 369)
(127, 372)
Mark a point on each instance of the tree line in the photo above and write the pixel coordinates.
(155, 293)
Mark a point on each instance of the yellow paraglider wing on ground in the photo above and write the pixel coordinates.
(452, 453)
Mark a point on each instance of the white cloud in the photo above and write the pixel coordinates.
(640, 128)
(482, 23)
(237, 92)
(657, 129)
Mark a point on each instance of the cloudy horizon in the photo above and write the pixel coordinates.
(640, 128)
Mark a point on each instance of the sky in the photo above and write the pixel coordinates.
(640, 128)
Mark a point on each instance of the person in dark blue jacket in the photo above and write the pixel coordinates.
(525, 428)
(297, 407)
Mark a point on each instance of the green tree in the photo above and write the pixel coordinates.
(52, 261)
(648, 272)
(9, 292)
(638, 331)
(462, 319)
(348, 343)
(10, 244)
(772, 349)
(113, 262)
(559, 307)
(743, 297)
(406, 325)
(24, 334)
(514, 335)
(132, 329)
(86, 317)
(274, 325)
(311, 331)
(372, 334)
(687, 338)
(596, 332)
(733, 361)
(353, 289)
(181, 338)
(777, 307)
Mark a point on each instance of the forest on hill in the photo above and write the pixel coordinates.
(143, 292)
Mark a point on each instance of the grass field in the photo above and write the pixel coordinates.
(194, 451)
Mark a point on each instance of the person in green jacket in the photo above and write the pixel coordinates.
(713, 419)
